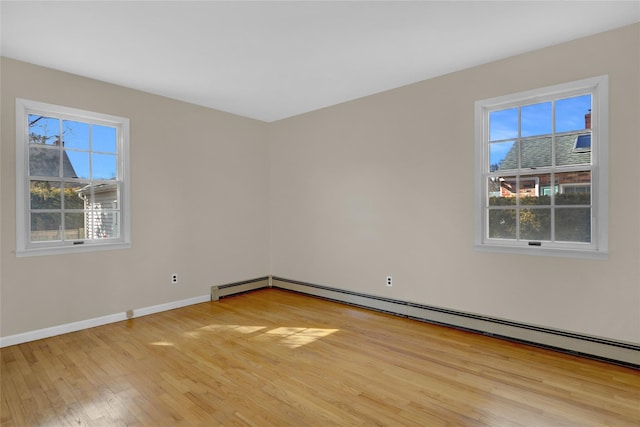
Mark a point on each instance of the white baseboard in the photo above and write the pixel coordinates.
(171, 305)
(96, 321)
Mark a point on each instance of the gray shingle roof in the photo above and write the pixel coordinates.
(536, 152)
(44, 161)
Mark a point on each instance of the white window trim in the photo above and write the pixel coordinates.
(24, 247)
(598, 249)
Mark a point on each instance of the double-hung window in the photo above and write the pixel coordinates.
(72, 183)
(541, 171)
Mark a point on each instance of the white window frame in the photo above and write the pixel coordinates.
(24, 245)
(598, 248)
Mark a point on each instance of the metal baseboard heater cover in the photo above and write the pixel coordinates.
(235, 288)
(617, 352)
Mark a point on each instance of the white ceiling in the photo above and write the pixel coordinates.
(272, 60)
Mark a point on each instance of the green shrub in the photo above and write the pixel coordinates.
(572, 224)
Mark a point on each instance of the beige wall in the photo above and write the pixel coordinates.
(379, 186)
(199, 195)
(384, 186)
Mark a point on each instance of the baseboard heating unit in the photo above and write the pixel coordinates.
(621, 353)
(222, 291)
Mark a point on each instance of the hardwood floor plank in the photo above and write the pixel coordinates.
(275, 358)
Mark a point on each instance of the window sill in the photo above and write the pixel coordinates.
(72, 249)
(541, 251)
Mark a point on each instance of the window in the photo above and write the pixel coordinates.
(583, 143)
(72, 187)
(541, 171)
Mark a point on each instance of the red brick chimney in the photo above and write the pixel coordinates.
(587, 120)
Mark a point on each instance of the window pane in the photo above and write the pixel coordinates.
(573, 225)
(102, 218)
(502, 223)
(44, 161)
(74, 226)
(574, 188)
(571, 113)
(104, 166)
(44, 130)
(75, 164)
(530, 190)
(105, 196)
(45, 195)
(570, 151)
(536, 119)
(583, 143)
(45, 226)
(535, 224)
(535, 153)
(103, 139)
(502, 191)
(75, 135)
(74, 195)
(493, 190)
(503, 124)
(102, 224)
(503, 155)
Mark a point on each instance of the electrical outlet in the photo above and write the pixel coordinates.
(174, 279)
(129, 314)
(389, 281)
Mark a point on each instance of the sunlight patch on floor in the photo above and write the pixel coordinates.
(296, 337)
(291, 337)
(243, 329)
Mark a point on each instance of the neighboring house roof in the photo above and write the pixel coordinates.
(43, 161)
(536, 152)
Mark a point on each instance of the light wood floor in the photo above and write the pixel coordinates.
(275, 358)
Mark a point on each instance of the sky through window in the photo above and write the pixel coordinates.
(505, 126)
